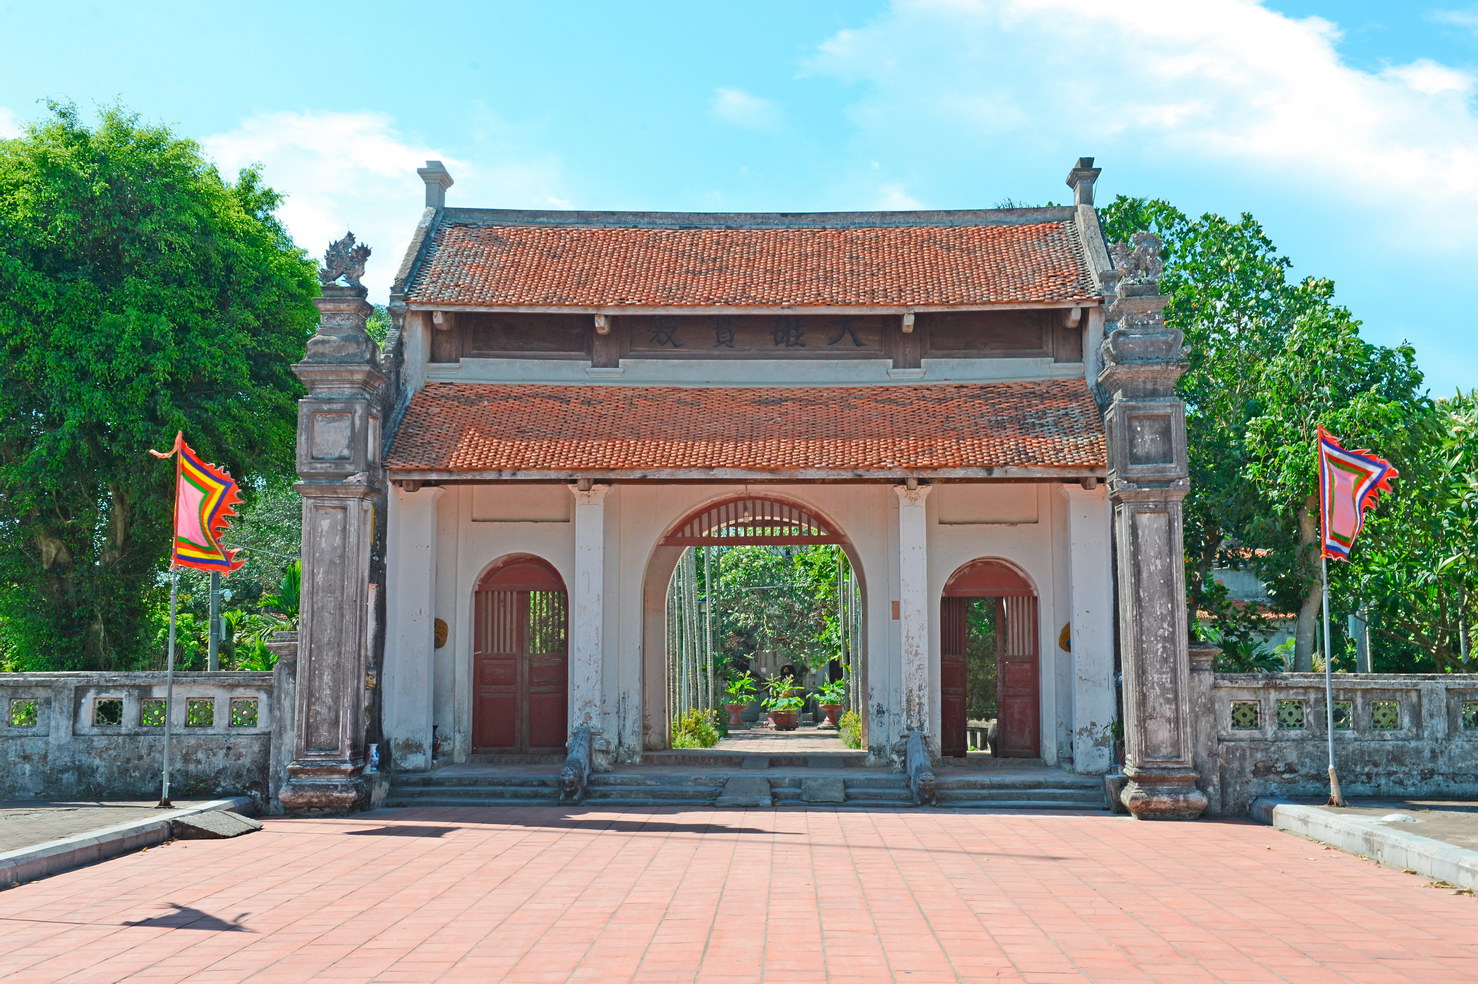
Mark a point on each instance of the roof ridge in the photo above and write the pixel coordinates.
(578, 218)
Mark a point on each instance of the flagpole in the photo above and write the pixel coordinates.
(1335, 798)
(174, 594)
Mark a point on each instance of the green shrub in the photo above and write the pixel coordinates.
(697, 728)
(849, 727)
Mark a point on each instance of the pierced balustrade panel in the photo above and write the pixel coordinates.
(1246, 715)
(1385, 715)
(107, 712)
(23, 712)
(152, 711)
(200, 712)
(244, 712)
(1291, 715)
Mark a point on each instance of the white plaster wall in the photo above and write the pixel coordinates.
(638, 516)
(1026, 545)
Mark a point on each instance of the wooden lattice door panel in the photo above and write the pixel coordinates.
(546, 659)
(520, 660)
(1018, 696)
(496, 671)
(954, 634)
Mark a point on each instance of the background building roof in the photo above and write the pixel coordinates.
(610, 260)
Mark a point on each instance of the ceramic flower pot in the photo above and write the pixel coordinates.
(784, 720)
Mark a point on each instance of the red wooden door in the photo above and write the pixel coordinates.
(520, 660)
(953, 662)
(1018, 703)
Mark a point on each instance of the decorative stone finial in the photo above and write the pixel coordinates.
(344, 260)
(1138, 262)
(438, 179)
(1080, 179)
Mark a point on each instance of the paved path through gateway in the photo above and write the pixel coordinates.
(542, 894)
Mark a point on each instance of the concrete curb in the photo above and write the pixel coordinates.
(66, 853)
(1373, 839)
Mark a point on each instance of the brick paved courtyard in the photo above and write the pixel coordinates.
(541, 894)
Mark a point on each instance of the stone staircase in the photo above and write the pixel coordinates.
(961, 790)
(687, 785)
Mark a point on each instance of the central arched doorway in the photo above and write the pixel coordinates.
(988, 660)
(520, 659)
(696, 584)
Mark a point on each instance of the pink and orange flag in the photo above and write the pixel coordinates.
(205, 501)
(1349, 481)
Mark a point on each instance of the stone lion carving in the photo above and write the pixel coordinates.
(1138, 261)
(344, 259)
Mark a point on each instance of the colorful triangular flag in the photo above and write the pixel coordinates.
(1349, 481)
(205, 500)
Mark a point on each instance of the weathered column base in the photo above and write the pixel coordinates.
(324, 790)
(1163, 796)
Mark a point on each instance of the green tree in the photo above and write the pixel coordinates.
(140, 294)
(1269, 358)
(779, 600)
(1415, 562)
(1366, 394)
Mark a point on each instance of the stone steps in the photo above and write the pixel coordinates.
(883, 790)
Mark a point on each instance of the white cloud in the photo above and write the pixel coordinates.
(1227, 86)
(1466, 19)
(9, 126)
(893, 196)
(742, 109)
(356, 171)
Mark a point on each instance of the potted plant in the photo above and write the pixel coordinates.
(738, 692)
(1114, 732)
(784, 704)
(830, 698)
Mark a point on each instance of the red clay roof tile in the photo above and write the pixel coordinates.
(848, 430)
(498, 265)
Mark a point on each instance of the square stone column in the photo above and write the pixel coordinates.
(587, 610)
(339, 425)
(1091, 632)
(1147, 476)
(913, 606)
(410, 627)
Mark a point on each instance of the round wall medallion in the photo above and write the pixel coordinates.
(441, 631)
(1064, 638)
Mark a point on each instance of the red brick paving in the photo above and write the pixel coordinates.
(541, 894)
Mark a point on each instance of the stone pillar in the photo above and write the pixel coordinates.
(587, 608)
(1090, 578)
(1147, 477)
(913, 606)
(339, 464)
(410, 630)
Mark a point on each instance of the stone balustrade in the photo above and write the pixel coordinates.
(67, 735)
(1266, 734)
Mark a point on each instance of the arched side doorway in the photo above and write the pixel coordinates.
(994, 593)
(520, 658)
(751, 519)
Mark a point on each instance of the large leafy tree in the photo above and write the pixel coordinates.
(1269, 359)
(140, 294)
(1416, 563)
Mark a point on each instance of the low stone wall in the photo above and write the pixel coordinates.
(1265, 734)
(95, 735)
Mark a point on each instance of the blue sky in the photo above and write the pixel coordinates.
(1349, 129)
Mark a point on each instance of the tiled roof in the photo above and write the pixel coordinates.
(503, 264)
(846, 430)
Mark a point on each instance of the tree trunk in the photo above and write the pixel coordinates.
(1308, 611)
